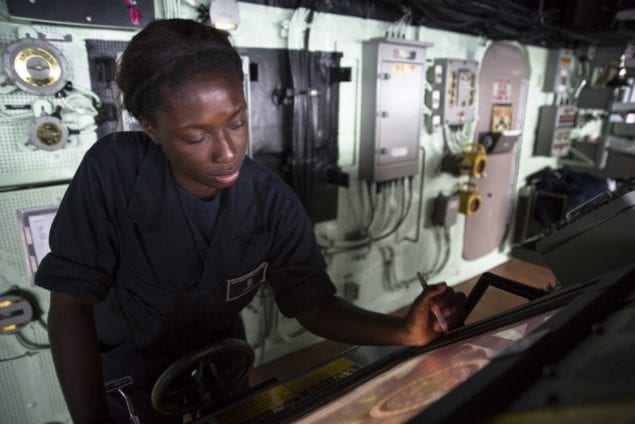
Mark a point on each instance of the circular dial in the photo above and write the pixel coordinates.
(48, 133)
(35, 66)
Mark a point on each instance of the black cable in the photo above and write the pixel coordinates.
(28, 344)
(391, 232)
(501, 20)
(420, 203)
(404, 209)
(388, 207)
(407, 181)
(43, 324)
(446, 236)
(364, 206)
(18, 357)
(406, 206)
(373, 208)
(368, 239)
(354, 210)
(386, 262)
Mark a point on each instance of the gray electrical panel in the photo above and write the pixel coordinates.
(453, 93)
(393, 80)
(554, 130)
(558, 72)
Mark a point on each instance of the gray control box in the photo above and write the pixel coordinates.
(393, 77)
(446, 210)
(453, 94)
(558, 72)
(555, 124)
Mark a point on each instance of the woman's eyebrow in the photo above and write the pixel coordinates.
(195, 125)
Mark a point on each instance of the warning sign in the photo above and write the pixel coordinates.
(501, 118)
(502, 90)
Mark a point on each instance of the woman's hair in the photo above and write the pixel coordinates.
(165, 55)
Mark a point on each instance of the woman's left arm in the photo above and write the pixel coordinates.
(338, 320)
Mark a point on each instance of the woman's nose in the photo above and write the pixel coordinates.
(224, 150)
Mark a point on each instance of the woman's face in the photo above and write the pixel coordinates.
(202, 129)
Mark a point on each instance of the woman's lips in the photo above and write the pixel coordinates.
(227, 178)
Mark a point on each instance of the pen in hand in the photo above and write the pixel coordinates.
(433, 306)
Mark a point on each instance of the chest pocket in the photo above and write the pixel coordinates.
(246, 284)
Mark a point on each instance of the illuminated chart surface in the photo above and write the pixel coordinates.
(405, 390)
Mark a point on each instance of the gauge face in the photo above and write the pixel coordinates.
(35, 66)
(48, 133)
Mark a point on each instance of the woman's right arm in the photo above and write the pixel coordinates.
(77, 357)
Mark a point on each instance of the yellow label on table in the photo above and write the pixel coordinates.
(264, 405)
(323, 377)
(259, 407)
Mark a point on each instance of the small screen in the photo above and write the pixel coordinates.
(405, 54)
(404, 391)
(36, 224)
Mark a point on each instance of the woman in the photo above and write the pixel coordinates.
(165, 235)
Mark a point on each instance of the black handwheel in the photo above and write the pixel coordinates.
(203, 378)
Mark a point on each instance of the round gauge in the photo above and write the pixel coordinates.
(48, 133)
(35, 66)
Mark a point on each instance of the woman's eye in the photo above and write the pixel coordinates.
(237, 125)
(196, 140)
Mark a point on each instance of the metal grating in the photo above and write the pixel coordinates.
(55, 405)
(33, 393)
(4, 12)
(11, 410)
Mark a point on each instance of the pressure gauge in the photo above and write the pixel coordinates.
(35, 66)
(48, 133)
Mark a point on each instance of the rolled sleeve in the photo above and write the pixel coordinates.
(297, 273)
(59, 274)
(83, 237)
(304, 294)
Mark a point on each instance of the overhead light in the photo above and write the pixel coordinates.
(619, 78)
(223, 14)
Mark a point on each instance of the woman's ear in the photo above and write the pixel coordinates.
(150, 131)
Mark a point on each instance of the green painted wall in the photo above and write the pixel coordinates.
(269, 27)
(263, 26)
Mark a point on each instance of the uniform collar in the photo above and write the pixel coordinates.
(153, 195)
(155, 199)
(241, 206)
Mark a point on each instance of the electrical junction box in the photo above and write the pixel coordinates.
(393, 78)
(555, 124)
(558, 72)
(446, 210)
(453, 93)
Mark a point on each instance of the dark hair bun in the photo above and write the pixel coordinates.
(167, 53)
